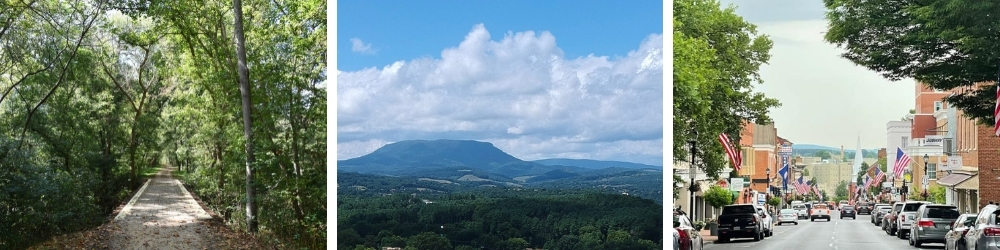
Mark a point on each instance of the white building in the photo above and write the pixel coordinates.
(701, 209)
(897, 136)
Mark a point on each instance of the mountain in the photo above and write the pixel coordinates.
(814, 146)
(446, 159)
(594, 164)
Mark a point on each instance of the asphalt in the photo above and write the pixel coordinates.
(837, 234)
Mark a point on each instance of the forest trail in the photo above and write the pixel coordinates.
(162, 215)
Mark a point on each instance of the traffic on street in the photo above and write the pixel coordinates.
(843, 234)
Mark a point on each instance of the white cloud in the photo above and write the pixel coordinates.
(518, 92)
(360, 47)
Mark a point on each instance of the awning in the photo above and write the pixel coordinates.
(953, 179)
(970, 184)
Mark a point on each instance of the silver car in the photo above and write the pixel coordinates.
(985, 233)
(788, 216)
(931, 222)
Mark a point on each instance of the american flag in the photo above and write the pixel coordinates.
(735, 157)
(801, 186)
(867, 182)
(996, 109)
(818, 194)
(902, 161)
(878, 175)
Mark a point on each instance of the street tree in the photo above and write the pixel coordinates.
(717, 56)
(943, 44)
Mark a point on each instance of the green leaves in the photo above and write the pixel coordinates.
(942, 44)
(717, 56)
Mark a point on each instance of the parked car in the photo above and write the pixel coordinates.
(878, 213)
(905, 216)
(889, 221)
(955, 238)
(686, 236)
(931, 223)
(985, 232)
(788, 216)
(740, 221)
(848, 211)
(766, 220)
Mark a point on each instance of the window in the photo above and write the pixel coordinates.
(906, 139)
(938, 106)
(931, 170)
(746, 159)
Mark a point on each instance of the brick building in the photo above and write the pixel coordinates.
(974, 184)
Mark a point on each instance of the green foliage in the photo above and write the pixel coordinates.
(717, 56)
(718, 197)
(486, 218)
(98, 100)
(937, 194)
(774, 201)
(825, 155)
(842, 191)
(944, 44)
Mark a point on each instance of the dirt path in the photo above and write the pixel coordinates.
(162, 215)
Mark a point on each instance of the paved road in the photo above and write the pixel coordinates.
(837, 234)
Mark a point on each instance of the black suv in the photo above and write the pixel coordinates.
(848, 211)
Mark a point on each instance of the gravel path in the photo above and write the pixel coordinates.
(162, 215)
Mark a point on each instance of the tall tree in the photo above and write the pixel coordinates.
(944, 44)
(244, 72)
(717, 56)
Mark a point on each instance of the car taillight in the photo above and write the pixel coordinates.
(902, 218)
(684, 239)
(925, 223)
(991, 231)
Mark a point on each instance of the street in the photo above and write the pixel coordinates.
(846, 234)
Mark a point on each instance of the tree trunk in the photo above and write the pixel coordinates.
(244, 80)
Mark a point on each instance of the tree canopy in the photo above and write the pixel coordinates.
(944, 44)
(717, 56)
(95, 93)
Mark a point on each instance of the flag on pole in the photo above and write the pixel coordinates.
(784, 170)
(902, 161)
(818, 194)
(735, 156)
(867, 182)
(879, 175)
(996, 108)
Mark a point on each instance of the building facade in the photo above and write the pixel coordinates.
(897, 136)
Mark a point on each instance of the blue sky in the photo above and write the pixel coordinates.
(580, 79)
(404, 30)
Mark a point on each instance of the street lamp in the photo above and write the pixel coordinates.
(926, 176)
(692, 170)
(768, 186)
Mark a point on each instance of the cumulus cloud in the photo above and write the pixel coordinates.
(360, 47)
(518, 92)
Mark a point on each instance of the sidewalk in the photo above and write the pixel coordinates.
(707, 237)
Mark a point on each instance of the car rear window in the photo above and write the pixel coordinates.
(848, 208)
(942, 212)
(911, 207)
(739, 210)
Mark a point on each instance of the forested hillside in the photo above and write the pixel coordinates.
(499, 219)
(93, 93)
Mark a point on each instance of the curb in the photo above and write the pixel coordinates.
(128, 207)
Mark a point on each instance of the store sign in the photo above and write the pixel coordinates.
(933, 140)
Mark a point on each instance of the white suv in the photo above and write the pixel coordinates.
(767, 220)
(905, 216)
